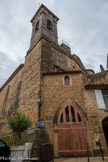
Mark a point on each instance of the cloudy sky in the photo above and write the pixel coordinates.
(83, 25)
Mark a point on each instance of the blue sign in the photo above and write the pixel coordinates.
(48, 117)
(40, 124)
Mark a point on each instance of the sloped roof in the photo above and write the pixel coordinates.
(12, 76)
(96, 86)
(62, 72)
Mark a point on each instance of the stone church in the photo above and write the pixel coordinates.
(54, 87)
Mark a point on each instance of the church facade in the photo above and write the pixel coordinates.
(54, 87)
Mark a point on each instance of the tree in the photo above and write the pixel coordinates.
(102, 68)
(19, 123)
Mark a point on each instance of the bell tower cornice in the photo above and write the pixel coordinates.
(44, 9)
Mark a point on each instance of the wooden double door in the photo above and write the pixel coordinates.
(72, 137)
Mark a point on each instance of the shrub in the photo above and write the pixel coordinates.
(97, 152)
(19, 123)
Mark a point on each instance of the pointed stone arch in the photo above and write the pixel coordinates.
(74, 104)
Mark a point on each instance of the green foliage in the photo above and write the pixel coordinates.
(5, 138)
(97, 152)
(19, 123)
(10, 140)
(102, 68)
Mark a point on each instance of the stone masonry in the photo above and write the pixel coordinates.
(43, 74)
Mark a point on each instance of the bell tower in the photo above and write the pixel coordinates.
(44, 22)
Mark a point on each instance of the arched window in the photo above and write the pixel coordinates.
(67, 81)
(79, 118)
(61, 118)
(37, 26)
(73, 114)
(67, 114)
(70, 114)
(49, 25)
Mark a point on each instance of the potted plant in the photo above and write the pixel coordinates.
(18, 124)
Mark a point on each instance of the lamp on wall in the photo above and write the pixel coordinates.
(38, 100)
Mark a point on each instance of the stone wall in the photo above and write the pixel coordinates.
(56, 95)
(99, 78)
(31, 84)
(95, 118)
(46, 65)
(21, 91)
(54, 58)
(9, 101)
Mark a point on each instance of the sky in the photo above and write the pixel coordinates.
(83, 25)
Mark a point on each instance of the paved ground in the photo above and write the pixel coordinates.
(92, 159)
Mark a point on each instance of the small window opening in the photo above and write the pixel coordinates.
(61, 118)
(67, 114)
(79, 118)
(105, 96)
(49, 25)
(67, 81)
(73, 114)
(37, 26)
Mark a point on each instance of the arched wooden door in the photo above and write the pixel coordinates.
(72, 137)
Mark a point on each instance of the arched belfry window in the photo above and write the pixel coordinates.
(67, 80)
(49, 25)
(70, 114)
(37, 26)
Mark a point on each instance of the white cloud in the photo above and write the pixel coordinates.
(7, 66)
(83, 24)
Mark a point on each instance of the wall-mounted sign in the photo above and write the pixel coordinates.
(40, 124)
(48, 117)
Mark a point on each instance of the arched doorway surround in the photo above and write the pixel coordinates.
(72, 134)
(105, 128)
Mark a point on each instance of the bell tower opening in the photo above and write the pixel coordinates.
(37, 26)
(49, 25)
(44, 22)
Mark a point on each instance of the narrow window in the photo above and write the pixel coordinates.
(73, 114)
(49, 25)
(67, 114)
(61, 118)
(100, 99)
(67, 82)
(37, 26)
(79, 118)
(105, 96)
